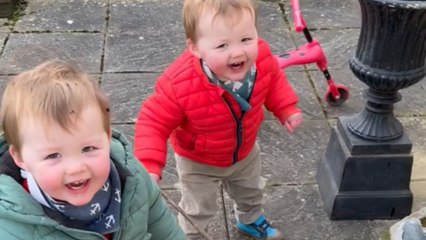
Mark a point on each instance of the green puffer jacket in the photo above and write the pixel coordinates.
(144, 214)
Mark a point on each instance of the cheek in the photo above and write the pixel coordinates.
(101, 165)
(215, 62)
(215, 65)
(252, 52)
(48, 181)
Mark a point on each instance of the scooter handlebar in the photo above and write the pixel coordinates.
(298, 21)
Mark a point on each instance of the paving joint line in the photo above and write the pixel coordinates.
(107, 17)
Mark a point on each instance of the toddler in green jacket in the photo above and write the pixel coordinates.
(64, 173)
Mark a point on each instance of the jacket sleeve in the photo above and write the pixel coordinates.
(158, 116)
(281, 99)
(8, 233)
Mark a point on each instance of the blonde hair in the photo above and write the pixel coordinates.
(54, 92)
(193, 10)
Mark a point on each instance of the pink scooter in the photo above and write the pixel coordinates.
(311, 52)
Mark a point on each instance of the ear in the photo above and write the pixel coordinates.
(193, 48)
(17, 158)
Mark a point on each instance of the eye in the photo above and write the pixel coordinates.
(246, 39)
(89, 149)
(53, 156)
(223, 45)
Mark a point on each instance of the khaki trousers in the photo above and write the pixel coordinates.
(200, 184)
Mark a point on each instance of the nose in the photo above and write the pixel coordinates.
(237, 51)
(75, 166)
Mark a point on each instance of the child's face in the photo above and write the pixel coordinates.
(70, 167)
(229, 48)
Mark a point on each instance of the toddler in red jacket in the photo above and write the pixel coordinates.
(208, 102)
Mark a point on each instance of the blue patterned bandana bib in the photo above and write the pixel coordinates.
(240, 90)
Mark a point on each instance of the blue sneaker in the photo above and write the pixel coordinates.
(260, 229)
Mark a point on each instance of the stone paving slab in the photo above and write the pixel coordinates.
(308, 100)
(138, 53)
(419, 164)
(126, 93)
(415, 128)
(272, 28)
(283, 157)
(3, 36)
(412, 102)
(418, 187)
(3, 25)
(381, 229)
(24, 51)
(328, 14)
(143, 37)
(63, 15)
(3, 81)
(145, 18)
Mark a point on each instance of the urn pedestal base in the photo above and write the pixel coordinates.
(7, 7)
(360, 179)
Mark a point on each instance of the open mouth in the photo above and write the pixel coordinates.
(236, 66)
(77, 185)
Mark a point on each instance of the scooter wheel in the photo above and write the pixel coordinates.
(344, 95)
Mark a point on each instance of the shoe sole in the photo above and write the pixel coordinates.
(253, 237)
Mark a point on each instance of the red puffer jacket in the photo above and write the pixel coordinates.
(204, 121)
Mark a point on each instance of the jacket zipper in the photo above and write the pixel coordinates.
(239, 131)
(239, 125)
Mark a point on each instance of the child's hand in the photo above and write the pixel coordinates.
(155, 177)
(293, 121)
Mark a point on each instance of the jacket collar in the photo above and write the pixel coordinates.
(8, 167)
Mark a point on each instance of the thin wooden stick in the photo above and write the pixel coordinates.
(224, 212)
(180, 210)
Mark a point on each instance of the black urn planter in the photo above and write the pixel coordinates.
(366, 169)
